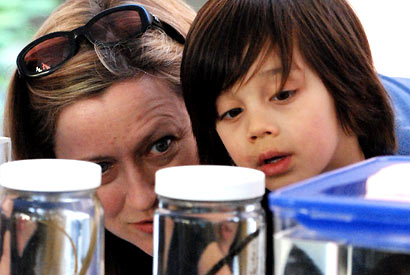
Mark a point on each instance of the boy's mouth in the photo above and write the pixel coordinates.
(274, 163)
(274, 159)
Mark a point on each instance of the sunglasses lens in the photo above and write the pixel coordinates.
(117, 26)
(47, 55)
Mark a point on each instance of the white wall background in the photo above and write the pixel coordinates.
(387, 25)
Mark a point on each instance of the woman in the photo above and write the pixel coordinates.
(108, 92)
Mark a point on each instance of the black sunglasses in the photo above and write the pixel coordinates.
(49, 52)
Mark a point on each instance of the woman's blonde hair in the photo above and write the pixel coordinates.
(33, 105)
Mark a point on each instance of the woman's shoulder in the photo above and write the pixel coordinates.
(123, 258)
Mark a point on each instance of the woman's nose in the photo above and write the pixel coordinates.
(141, 193)
(261, 124)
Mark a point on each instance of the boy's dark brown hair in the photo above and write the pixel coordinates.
(227, 37)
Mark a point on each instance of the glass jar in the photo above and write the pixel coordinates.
(51, 219)
(209, 220)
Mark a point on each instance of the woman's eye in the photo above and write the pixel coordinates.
(104, 166)
(283, 95)
(162, 145)
(231, 113)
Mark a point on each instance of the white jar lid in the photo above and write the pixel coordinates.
(209, 183)
(50, 175)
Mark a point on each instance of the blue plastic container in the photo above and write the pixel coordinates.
(327, 223)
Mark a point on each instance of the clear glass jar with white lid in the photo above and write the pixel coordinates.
(51, 219)
(209, 220)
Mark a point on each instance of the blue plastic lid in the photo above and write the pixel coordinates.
(335, 206)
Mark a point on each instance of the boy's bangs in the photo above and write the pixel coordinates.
(220, 54)
(252, 38)
(253, 54)
(250, 41)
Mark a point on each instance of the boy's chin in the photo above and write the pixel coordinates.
(275, 183)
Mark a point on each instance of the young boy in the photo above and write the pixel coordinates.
(287, 87)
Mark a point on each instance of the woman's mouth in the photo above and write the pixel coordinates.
(145, 226)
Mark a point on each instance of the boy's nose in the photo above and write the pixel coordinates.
(261, 125)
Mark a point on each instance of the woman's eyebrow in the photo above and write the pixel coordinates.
(97, 158)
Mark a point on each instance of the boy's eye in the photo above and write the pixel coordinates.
(283, 95)
(162, 144)
(231, 113)
(104, 166)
